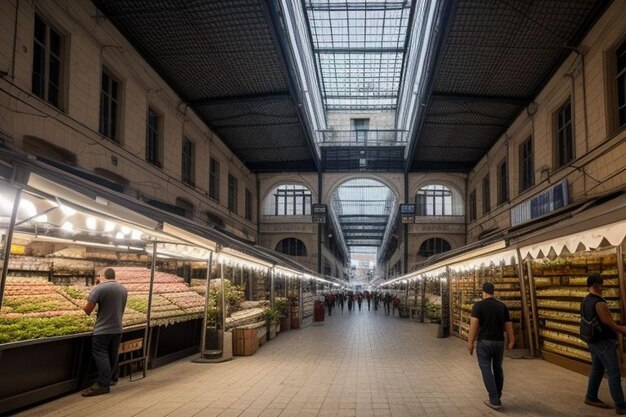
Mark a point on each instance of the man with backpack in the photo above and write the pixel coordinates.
(599, 330)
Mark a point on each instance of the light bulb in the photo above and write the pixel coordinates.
(119, 235)
(68, 211)
(136, 235)
(28, 208)
(125, 229)
(91, 223)
(109, 226)
(67, 226)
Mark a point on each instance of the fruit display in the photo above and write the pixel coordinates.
(173, 301)
(560, 286)
(35, 308)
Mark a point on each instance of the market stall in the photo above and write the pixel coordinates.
(557, 272)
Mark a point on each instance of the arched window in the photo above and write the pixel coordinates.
(438, 200)
(433, 246)
(288, 200)
(291, 246)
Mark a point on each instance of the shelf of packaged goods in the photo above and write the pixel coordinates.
(560, 286)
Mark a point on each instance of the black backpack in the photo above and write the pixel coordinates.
(590, 330)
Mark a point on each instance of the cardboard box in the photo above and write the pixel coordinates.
(245, 342)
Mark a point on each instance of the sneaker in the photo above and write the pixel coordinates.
(492, 406)
(596, 403)
(96, 390)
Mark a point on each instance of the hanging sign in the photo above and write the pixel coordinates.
(548, 201)
(318, 213)
(407, 211)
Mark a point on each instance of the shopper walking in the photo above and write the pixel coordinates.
(341, 300)
(350, 302)
(396, 305)
(368, 295)
(599, 330)
(330, 302)
(359, 300)
(110, 297)
(387, 303)
(376, 301)
(490, 319)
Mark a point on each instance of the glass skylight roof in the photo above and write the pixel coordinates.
(363, 207)
(359, 49)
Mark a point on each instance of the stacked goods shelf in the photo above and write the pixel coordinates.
(307, 305)
(464, 292)
(560, 286)
(507, 284)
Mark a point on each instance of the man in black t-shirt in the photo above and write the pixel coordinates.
(490, 320)
(603, 347)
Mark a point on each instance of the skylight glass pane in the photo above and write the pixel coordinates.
(359, 48)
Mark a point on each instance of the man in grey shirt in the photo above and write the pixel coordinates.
(110, 297)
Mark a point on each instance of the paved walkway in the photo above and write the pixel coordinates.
(364, 364)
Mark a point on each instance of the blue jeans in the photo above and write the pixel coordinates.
(105, 349)
(604, 358)
(490, 354)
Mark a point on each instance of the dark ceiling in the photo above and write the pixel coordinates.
(228, 59)
(225, 59)
(496, 57)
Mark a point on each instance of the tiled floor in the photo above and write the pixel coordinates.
(364, 364)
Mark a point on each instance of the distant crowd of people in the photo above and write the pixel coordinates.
(339, 299)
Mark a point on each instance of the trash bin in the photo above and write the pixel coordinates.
(318, 311)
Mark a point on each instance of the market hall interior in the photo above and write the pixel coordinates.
(237, 165)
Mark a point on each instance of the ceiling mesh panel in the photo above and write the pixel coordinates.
(497, 55)
(212, 50)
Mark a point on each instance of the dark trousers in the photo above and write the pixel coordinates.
(604, 359)
(105, 353)
(368, 305)
(330, 309)
(490, 354)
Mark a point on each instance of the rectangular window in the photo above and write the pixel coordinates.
(503, 182)
(620, 80)
(434, 200)
(360, 127)
(188, 163)
(109, 105)
(564, 151)
(214, 179)
(47, 53)
(232, 193)
(527, 164)
(248, 196)
(153, 138)
(486, 195)
(472, 206)
(290, 200)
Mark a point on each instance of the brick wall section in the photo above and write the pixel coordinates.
(600, 152)
(91, 42)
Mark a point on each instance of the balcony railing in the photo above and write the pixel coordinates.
(440, 219)
(388, 137)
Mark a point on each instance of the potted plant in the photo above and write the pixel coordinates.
(282, 305)
(272, 316)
